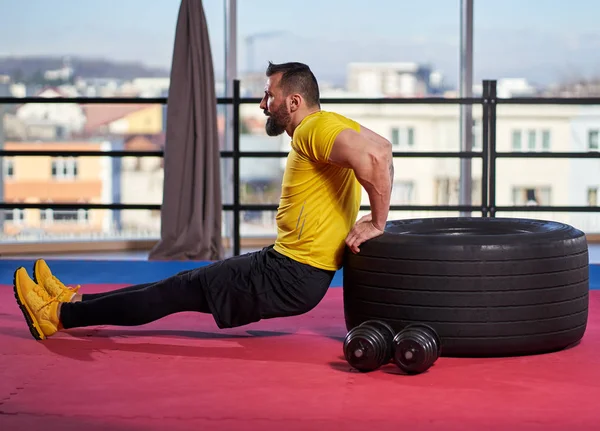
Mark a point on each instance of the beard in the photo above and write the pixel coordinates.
(277, 121)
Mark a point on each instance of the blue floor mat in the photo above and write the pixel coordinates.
(135, 272)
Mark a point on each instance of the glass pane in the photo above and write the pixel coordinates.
(431, 181)
(45, 225)
(227, 180)
(537, 128)
(85, 59)
(258, 225)
(535, 48)
(94, 179)
(366, 49)
(414, 127)
(554, 182)
(256, 231)
(73, 126)
(260, 180)
(551, 182)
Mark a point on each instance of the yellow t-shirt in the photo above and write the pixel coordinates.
(319, 201)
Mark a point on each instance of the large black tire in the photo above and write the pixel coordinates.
(488, 286)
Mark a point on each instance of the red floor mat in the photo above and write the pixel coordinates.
(183, 373)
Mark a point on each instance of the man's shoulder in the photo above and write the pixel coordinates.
(327, 118)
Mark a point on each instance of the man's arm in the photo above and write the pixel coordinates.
(369, 134)
(370, 156)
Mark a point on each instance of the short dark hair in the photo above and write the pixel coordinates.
(297, 77)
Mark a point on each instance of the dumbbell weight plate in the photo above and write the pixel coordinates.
(364, 348)
(416, 348)
(432, 332)
(388, 333)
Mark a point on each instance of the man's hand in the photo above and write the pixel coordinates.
(363, 230)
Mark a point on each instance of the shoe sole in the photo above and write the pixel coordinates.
(32, 323)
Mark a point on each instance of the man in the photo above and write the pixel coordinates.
(331, 157)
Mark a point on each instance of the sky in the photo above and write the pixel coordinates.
(542, 40)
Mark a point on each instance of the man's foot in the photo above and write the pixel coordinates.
(39, 308)
(43, 276)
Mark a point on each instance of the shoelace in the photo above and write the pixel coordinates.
(55, 282)
(42, 294)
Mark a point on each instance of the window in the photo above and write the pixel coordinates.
(531, 196)
(16, 215)
(593, 140)
(592, 196)
(545, 140)
(411, 137)
(403, 137)
(64, 167)
(531, 140)
(64, 216)
(9, 167)
(395, 137)
(516, 140)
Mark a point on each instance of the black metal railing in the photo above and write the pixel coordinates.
(489, 153)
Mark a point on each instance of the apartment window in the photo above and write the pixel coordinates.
(593, 140)
(64, 216)
(516, 140)
(9, 167)
(531, 196)
(531, 140)
(403, 137)
(410, 136)
(16, 215)
(592, 196)
(395, 137)
(545, 140)
(64, 167)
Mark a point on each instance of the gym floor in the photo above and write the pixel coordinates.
(182, 372)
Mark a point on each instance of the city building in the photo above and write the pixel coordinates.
(42, 179)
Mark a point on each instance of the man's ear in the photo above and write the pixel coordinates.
(295, 102)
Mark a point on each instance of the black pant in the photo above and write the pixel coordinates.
(236, 291)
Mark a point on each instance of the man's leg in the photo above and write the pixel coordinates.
(45, 314)
(89, 296)
(138, 305)
(43, 276)
(237, 291)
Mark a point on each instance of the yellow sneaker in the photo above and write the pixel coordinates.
(43, 276)
(39, 308)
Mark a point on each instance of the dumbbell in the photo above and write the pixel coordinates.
(369, 345)
(416, 348)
